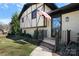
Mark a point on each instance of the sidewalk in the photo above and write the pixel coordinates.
(43, 51)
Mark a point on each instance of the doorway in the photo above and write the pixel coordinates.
(56, 26)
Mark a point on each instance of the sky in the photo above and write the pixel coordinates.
(8, 9)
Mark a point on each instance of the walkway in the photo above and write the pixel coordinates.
(43, 51)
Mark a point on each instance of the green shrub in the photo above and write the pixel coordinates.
(22, 34)
(35, 35)
(28, 35)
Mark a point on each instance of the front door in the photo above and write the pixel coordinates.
(55, 26)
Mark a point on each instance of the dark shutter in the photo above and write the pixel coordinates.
(34, 13)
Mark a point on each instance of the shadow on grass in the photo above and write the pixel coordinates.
(23, 40)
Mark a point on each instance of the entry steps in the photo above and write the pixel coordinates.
(49, 42)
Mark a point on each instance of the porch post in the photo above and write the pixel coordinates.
(57, 42)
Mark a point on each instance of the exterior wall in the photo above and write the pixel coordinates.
(29, 22)
(71, 25)
(47, 9)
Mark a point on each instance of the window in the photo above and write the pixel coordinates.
(22, 19)
(34, 13)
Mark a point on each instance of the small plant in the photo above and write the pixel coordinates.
(28, 35)
(36, 32)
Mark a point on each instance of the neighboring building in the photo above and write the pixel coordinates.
(1, 31)
(4, 28)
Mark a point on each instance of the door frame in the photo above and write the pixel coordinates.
(54, 16)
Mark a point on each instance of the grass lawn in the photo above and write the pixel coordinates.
(9, 47)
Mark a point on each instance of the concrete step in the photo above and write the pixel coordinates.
(49, 41)
(48, 45)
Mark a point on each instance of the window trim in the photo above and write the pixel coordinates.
(22, 19)
(34, 14)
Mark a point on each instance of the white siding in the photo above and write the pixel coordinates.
(33, 7)
(33, 21)
(47, 9)
(71, 25)
(40, 19)
(29, 9)
(29, 20)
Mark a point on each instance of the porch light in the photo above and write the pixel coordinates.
(67, 19)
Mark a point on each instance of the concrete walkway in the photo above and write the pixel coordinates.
(43, 51)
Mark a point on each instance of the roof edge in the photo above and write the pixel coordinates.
(29, 4)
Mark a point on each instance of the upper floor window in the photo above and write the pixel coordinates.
(22, 19)
(34, 14)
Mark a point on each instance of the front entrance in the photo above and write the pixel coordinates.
(56, 26)
(56, 31)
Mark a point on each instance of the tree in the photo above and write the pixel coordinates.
(15, 24)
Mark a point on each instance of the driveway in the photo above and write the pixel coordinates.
(42, 51)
